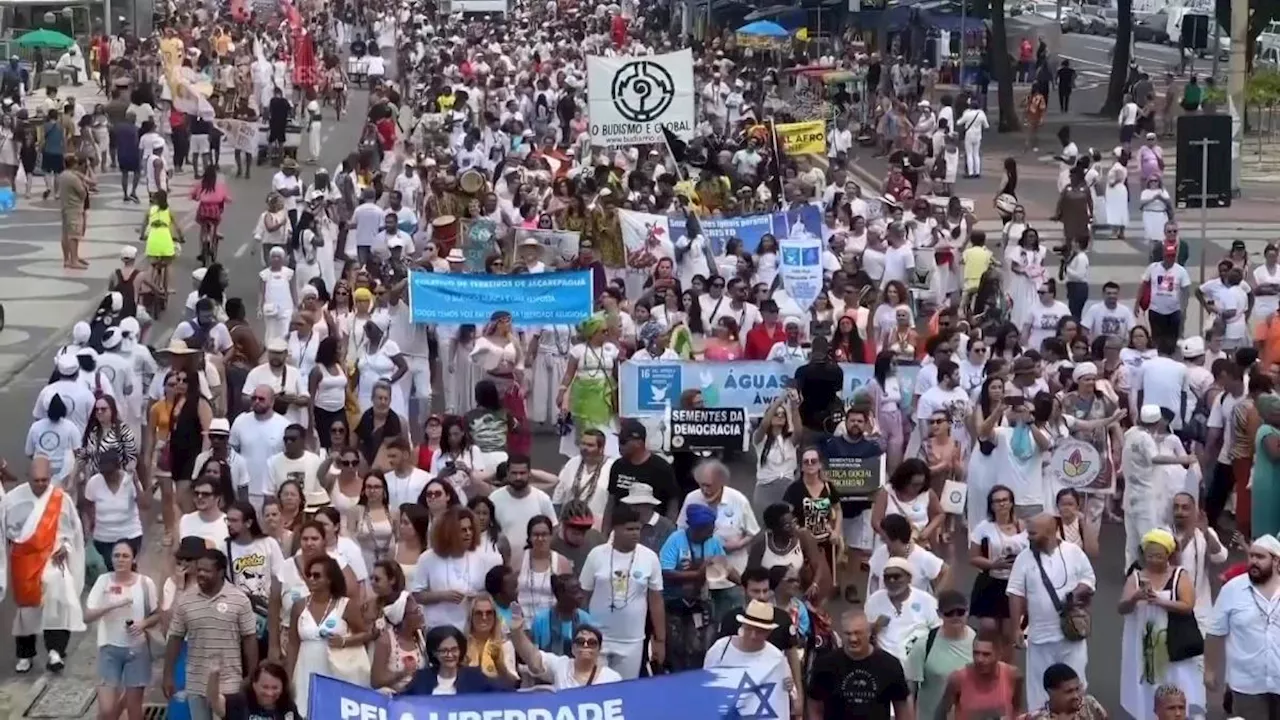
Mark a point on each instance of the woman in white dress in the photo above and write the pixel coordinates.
(326, 614)
(549, 353)
(1025, 261)
(1117, 197)
(306, 254)
(461, 373)
(1156, 209)
(1066, 157)
(1154, 596)
(380, 359)
(375, 522)
(340, 476)
(276, 299)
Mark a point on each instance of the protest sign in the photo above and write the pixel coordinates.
(714, 694)
(631, 98)
(852, 477)
(238, 134)
(801, 267)
(559, 247)
(707, 429)
(647, 389)
(750, 228)
(803, 138)
(551, 298)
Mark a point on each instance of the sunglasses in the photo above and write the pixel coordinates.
(955, 613)
(348, 463)
(584, 642)
(202, 493)
(315, 576)
(812, 461)
(435, 494)
(937, 421)
(483, 613)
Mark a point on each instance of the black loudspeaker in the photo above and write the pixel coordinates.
(1195, 31)
(1190, 190)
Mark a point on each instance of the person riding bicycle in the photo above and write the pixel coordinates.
(160, 232)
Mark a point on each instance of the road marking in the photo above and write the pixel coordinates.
(243, 249)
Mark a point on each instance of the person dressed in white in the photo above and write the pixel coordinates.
(585, 476)
(1117, 197)
(1153, 596)
(623, 581)
(275, 297)
(1047, 574)
(972, 123)
(735, 523)
(899, 611)
(1266, 286)
(1245, 616)
(1156, 207)
(751, 651)
(581, 670)
(42, 550)
(1145, 500)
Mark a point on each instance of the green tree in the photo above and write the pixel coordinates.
(1119, 58)
(1002, 71)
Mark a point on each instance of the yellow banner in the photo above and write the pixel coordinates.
(803, 138)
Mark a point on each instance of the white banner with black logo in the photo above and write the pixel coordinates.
(707, 429)
(631, 98)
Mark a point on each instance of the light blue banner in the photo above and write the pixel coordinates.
(645, 388)
(553, 298)
(750, 228)
(701, 694)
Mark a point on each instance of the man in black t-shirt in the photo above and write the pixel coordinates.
(862, 681)
(638, 465)
(819, 383)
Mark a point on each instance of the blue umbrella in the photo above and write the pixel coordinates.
(764, 28)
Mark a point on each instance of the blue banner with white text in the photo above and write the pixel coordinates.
(552, 298)
(701, 694)
(750, 228)
(646, 388)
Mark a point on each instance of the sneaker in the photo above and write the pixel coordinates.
(55, 663)
(23, 666)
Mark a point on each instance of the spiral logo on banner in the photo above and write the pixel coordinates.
(631, 99)
(642, 91)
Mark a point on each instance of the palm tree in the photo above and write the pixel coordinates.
(1120, 58)
(1002, 72)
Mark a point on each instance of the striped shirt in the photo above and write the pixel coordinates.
(213, 627)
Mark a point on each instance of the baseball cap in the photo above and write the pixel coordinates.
(632, 429)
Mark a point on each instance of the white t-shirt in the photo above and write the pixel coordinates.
(406, 490)
(1102, 320)
(1162, 381)
(303, 469)
(1044, 322)
(57, 442)
(734, 520)
(112, 629)
(1024, 478)
(954, 402)
(464, 574)
(1222, 416)
(919, 613)
(190, 525)
(926, 565)
(255, 565)
(514, 513)
(115, 514)
(1264, 306)
(1067, 566)
(1166, 287)
(767, 666)
(899, 262)
(560, 668)
(619, 584)
(998, 544)
(258, 440)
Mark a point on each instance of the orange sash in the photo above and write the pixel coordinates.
(28, 559)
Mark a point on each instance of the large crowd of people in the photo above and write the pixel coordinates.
(339, 490)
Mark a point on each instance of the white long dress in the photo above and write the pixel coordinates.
(1154, 213)
(313, 651)
(1145, 665)
(374, 367)
(549, 365)
(461, 375)
(1117, 198)
(1024, 287)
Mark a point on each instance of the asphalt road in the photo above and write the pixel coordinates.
(20, 393)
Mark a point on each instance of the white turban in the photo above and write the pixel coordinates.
(1268, 544)
(1084, 370)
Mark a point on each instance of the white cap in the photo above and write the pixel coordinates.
(130, 326)
(219, 426)
(199, 273)
(67, 364)
(1149, 415)
(641, 494)
(1192, 347)
(396, 241)
(128, 252)
(792, 320)
(277, 345)
(530, 242)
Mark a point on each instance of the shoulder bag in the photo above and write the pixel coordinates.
(1074, 619)
(1182, 633)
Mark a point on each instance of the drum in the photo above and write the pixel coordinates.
(472, 182)
(444, 233)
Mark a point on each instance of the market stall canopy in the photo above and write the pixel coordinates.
(45, 38)
(763, 34)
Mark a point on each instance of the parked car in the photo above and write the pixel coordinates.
(1151, 28)
(1073, 21)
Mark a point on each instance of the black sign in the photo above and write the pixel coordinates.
(708, 429)
(852, 477)
(1190, 175)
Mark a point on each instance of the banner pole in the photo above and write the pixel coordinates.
(672, 154)
(777, 166)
